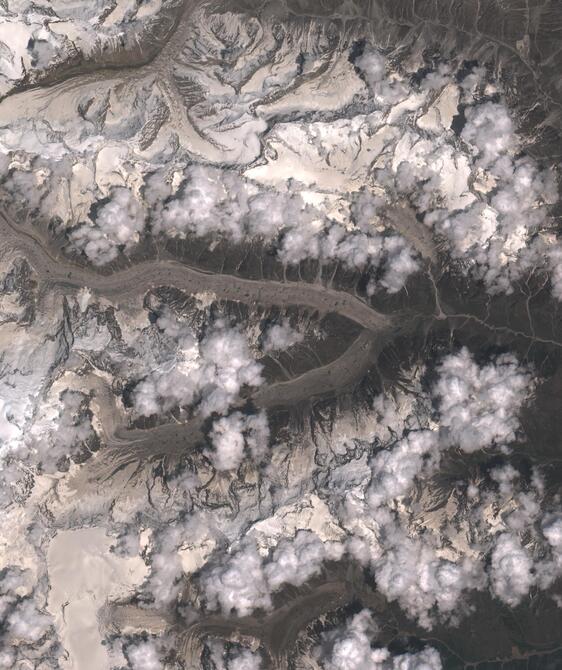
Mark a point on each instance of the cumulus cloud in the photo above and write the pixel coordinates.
(506, 543)
(489, 129)
(245, 581)
(394, 469)
(555, 263)
(550, 568)
(270, 212)
(427, 659)
(42, 424)
(482, 196)
(218, 202)
(479, 406)
(358, 249)
(373, 66)
(117, 225)
(143, 656)
(164, 583)
(246, 660)
(235, 658)
(411, 572)
(386, 89)
(27, 623)
(408, 568)
(497, 236)
(478, 193)
(552, 530)
(229, 365)
(514, 546)
(233, 434)
(511, 571)
(390, 254)
(210, 201)
(61, 430)
(207, 374)
(239, 584)
(280, 336)
(26, 629)
(364, 209)
(523, 499)
(510, 531)
(296, 561)
(352, 648)
(438, 79)
(400, 263)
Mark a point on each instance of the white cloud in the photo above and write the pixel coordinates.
(239, 584)
(229, 365)
(117, 224)
(27, 623)
(477, 193)
(386, 90)
(210, 201)
(399, 263)
(60, 430)
(355, 249)
(207, 374)
(427, 659)
(411, 572)
(232, 434)
(98, 247)
(482, 197)
(438, 79)
(7, 659)
(218, 202)
(246, 660)
(555, 262)
(430, 573)
(280, 336)
(511, 573)
(408, 567)
(394, 469)
(489, 129)
(505, 523)
(164, 585)
(143, 656)
(228, 441)
(245, 580)
(25, 629)
(552, 530)
(271, 212)
(550, 568)
(364, 209)
(373, 66)
(296, 561)
(479, 406)
(235, 658)
(299, 243)
(352, 648)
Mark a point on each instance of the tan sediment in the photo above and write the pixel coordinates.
(83, 574)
